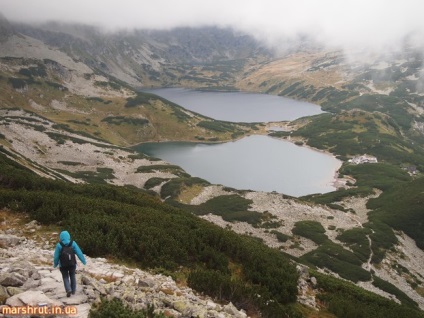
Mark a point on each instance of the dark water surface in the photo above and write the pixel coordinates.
(238, 106)
(258, 163)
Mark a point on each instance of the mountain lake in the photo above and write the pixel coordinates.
(259, 163)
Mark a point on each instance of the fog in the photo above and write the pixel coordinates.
(359, 24)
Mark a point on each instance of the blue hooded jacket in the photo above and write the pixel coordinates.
(65, 238)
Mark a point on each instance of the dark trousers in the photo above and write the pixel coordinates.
(69, 280)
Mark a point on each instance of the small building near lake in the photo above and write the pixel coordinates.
(363, 159)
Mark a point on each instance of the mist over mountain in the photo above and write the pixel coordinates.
(351, 25)
(6, 29)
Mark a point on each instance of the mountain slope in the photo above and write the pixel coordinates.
(154, 58)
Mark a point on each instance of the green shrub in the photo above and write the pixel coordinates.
(231, 208)
(118, 120)
(153, 182)
(344, 299)
(218, 126)
(357, 240)
(312, 230)
(115, 308)
(173, 187)
(178, 171)
(339, 260)
(401, 209)
(280, 236)
(392, 289)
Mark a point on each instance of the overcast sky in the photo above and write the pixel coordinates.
(350, 23)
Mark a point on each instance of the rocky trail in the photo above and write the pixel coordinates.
(27, 278)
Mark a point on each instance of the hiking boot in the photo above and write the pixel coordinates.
(68, 294)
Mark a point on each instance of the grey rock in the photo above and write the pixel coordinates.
(14, 301)
(12, 279)
(12, 291)
(199, 312)
(36, 276)
(35, 297)
(171, 313)
(31, 284)
(181, 306)
(8, 240)
(85, 280)
(3, 293)
(307, 300)
(313, 281)
(129, 296)
(215, 314)
(75, 300)
(83, 310)
(211, 305)
(233, 311)
(146, 283)
(24, 268)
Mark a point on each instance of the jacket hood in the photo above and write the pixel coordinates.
(65, 237)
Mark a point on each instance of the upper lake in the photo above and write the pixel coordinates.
(238, 106)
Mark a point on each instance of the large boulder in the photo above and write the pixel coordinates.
(32, 298)
(86, 280)
(9, 240)
(25, 269)
(233, 311)
(12, 279)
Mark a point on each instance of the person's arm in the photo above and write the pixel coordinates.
(79, 253)
(56, 255)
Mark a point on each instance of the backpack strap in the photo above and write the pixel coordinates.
(70, 243)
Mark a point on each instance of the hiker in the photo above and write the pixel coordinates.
(64, 256)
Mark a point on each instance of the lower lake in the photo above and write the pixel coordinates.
(259, 163)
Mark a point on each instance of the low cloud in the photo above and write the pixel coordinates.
(349, 24)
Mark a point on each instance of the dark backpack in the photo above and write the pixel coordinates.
(67, 255)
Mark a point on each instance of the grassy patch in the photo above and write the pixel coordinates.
(189, 193)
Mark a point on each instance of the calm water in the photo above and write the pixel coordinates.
(258, 163)
(237, 106)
